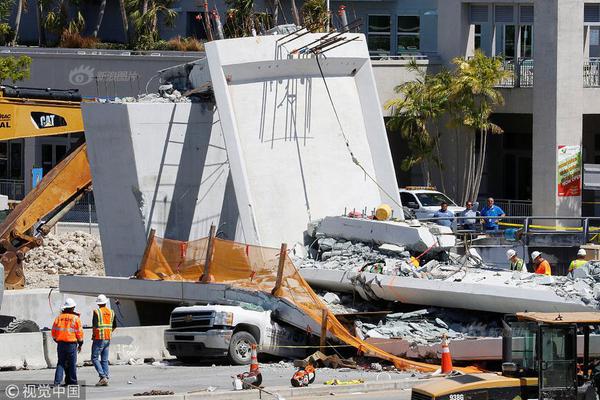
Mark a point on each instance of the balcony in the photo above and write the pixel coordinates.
(591, 73)
(521, 73)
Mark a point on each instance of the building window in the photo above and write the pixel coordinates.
(477, 36)
(408, 33)
(526, 41)
(509, 41)
(378, 34)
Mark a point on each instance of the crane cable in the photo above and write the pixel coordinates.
(354, 159)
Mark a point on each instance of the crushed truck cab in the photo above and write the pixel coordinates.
(230, 330)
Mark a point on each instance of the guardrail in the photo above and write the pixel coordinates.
(531, 230)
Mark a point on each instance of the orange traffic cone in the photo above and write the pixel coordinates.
(254, 360)
(446, 357)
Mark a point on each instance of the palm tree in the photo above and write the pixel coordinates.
(416, 115)
(146, 23)
(21, 6)
(100, 17)
(125, 21)
(474, 97)
(315, 15)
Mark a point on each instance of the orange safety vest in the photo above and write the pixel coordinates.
(544, 268)
(67, 328)
(105, 317)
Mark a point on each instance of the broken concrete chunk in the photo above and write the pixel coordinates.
(441, 323)
(331, 298)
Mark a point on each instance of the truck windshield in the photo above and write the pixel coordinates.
(433, 199)
(523, 345)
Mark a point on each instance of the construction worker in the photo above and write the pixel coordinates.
(516, 263)
(540, 265)
(579, 262)
(67, 332)
(103, 324)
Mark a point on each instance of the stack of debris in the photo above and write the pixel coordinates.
(166, 94)
(72, 253)
(340, 254)
(426, 326)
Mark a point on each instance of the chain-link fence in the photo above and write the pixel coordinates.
(84, 211)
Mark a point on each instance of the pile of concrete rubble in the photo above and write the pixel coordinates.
(166, 94)
(423, 326)
(73, 253)
(427, 326)
(340, 254)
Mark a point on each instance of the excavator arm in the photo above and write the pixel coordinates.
(27, 112)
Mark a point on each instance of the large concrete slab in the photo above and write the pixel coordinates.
(43, 305)
(471, 295)
(183, 293)
(413, 236)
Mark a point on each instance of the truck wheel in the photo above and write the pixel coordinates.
(240, 348)
(22, 325)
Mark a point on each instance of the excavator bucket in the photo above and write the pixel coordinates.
(50, 200)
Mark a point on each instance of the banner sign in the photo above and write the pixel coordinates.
(569, 171)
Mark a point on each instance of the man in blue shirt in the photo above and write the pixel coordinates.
(491, 210)
(444, 213)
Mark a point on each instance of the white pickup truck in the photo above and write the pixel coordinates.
(223, 330)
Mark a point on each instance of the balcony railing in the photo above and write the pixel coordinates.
(591, 72)
(521, 73)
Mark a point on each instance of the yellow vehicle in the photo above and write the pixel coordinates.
(540, 361)
(26, 113)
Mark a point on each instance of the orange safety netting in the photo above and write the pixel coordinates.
(254, 268)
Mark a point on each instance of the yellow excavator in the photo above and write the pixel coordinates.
(540, 361)
(27, 113)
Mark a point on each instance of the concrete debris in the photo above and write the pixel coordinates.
(166, 95)
(72, 253)
(427, 326)
(340, 254)
(331, 298)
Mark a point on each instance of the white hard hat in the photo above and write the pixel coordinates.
(69, 303)
(535, 255)
(581, 252)
(510, 253)
(101, 299)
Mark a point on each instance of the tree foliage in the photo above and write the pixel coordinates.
(415, 115)
(468, 96)
(145, 15)
(474, 97)
(14, 69)
(315, 15)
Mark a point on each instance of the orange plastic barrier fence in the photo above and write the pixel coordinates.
(253, 268)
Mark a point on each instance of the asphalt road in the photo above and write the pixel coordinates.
(126, 380)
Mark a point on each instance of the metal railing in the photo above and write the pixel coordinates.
(13, 188)
(530, 230)
(591, 72)
(514, 207)
(521, 73)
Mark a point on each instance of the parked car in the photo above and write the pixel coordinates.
(425, 201)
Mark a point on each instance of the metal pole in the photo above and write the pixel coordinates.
(282, 254)
(89, 212)
(206, 276)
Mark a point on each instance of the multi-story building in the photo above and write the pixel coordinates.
(552, 97)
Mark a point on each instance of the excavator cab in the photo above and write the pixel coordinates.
(540, 361)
